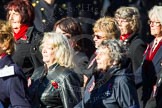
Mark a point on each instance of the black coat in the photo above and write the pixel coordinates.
(27, 54)
(135, 47)
(64, 94)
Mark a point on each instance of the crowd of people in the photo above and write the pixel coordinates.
(68, 54)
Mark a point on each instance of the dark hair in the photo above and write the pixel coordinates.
(69, 25)
(24, 7)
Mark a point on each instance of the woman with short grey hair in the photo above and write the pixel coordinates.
(112, 85)
(152, 63)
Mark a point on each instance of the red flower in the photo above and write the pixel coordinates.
(54, 84)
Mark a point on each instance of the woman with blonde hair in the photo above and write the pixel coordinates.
(55, 84)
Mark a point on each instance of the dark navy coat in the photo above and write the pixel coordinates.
(13, 86)
(113, 89)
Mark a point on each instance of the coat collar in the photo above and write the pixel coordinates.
(5, 61)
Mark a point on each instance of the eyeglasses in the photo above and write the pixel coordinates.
(98, 37)
(155, 23)
(121, 20)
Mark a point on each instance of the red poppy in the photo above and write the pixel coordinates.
(54, 84)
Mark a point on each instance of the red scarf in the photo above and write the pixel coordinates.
(150, 54)
(21, 33)
(124, 37)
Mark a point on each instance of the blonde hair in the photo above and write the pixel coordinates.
(131, 14)
(63, 50)
(6, 37)
(107, 25)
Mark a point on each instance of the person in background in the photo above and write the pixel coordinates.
(13, 83)
(151, 65)
(20, 14)
(72, 30)
(47, 12)
(55, 85)
(110, 85)
(128, 19)
(129, 25)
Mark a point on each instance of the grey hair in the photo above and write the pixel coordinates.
(157, 12)
(131, 14)
(116, 51)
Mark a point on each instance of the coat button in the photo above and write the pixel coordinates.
(43, 20)
(33, 4)
(37, 1)
(34, 49)
(42, 9)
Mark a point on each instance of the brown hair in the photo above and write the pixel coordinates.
(69, 25)
(24, 7)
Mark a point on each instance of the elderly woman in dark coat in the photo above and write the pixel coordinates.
(112, 85)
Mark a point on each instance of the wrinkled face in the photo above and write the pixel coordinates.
(15, 20)
(48, 53)
(98, 38)
(124, 26)
(103, 59)
(155, 27)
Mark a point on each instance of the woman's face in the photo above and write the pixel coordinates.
(102, 58)
(15, 20)
(155, 27)
(48, 53)
(124, 26)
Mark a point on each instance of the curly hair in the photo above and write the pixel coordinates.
(114, 50)
(131, 14)
(6, 38)
(107, 25)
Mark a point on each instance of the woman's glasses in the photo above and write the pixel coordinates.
(155, 23)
